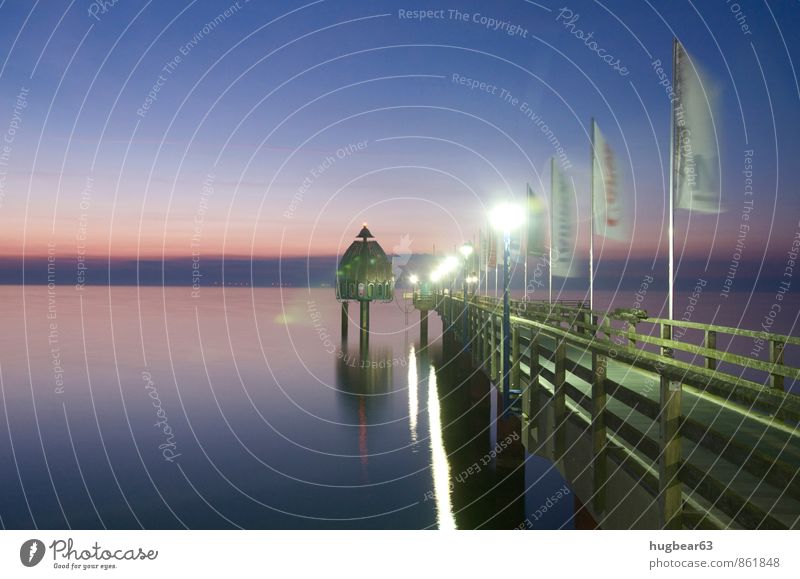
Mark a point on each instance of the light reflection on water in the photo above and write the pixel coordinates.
(440, 468)
(413, 394)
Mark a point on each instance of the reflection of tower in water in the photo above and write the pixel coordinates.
(365, 377)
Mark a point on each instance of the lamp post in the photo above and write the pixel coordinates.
(506, 218)
(413, 279)
(446, 270)
(466, 250)
(436, 277)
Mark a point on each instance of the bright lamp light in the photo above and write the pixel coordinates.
(466, 250)
(436, 275)
(413, 279)
(450, 263)
(507, 217)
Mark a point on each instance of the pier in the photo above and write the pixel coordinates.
(649, 430)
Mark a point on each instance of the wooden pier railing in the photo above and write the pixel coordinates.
(686, 410)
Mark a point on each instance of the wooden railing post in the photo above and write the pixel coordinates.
(515, 357)
(530, 394)
(487, 343)
(669, 460)
(477, 349)
(559, 399)
(776, 357)
(493, 353)
(711, 344)
(599, 438)
(632, 328)
(474, 336)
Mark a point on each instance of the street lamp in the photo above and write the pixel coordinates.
(447, 268)
(413, 280)
(466, 250)
(506, 218)
(450, 264)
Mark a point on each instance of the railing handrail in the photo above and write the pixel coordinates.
(564, 305)
(773, 368)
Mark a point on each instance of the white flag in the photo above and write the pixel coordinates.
(564, 217)
(515, 253)
(609, 220)
(537, 225)
(696, 156)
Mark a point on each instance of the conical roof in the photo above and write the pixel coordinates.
(366, 263)
(364, 233)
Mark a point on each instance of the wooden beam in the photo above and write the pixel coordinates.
(559, 401)
(515, 357)
(776, 357)
(490, 338)
(530, 400)
(599, 437)
(669, 459)
(711, 344)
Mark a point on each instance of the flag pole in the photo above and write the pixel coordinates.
(591, 225)
(480, 260)
(525, 294)
(527, 241)
(550, 248)
(485, 241)
(671, 229)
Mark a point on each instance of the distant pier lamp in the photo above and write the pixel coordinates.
(466, 250)
(413, 279)
(364, 275)
(506, 218)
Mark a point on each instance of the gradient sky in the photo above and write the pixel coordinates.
(258, 103)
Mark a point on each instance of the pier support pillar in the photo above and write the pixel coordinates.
(669, 485)
(364, 316)
(423, 327)
(345, 319)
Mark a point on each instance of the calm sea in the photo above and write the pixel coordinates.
(130, 407)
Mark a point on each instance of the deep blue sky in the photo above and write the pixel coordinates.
(237, 106)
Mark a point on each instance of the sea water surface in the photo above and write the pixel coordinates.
(126, 407)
